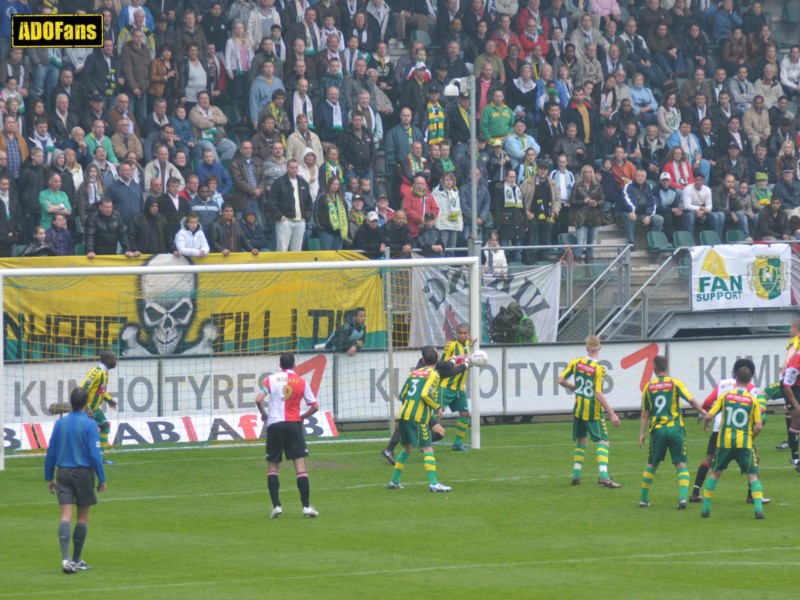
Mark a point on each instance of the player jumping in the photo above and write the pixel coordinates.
(454, 394)
(445, 368)
(419, 396)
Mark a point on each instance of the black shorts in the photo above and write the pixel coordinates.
(285, 439)
(75, 486)
(712, 443)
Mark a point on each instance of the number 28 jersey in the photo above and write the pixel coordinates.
(662, 399)
(587, 375)
(285, 391)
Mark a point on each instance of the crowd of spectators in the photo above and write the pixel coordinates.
(227, 126)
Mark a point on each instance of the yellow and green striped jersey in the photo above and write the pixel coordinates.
(662, 399)
(741, 410)
(420, 395)
(794, 343)
(95, 385)
(454, 349)
(587, 375)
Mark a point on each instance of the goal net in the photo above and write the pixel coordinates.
(195, 340)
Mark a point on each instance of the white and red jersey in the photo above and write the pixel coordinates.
(792, 372)
(285, 391)
(725, 385)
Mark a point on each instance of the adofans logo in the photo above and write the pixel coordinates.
(57, 31)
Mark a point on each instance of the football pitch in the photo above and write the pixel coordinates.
(193, 523)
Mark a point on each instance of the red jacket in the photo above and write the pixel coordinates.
(415, 208)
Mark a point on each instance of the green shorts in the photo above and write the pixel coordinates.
(100, 417)
(774, 391)
(667, 438)
(595, 429)
(414, 434)
(746, 458)
(455, 400)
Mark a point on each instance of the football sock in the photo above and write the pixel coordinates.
(788, 426)
(64, 535)
(708, 493)
(683, 483)
(602, 460)
(430, 468)
(461, 429)
(104, 430)
(758, 496)
(394, 441)
(303, 486)
(647, 480)
(702, 471)
(436, 436)
(794, 442)
(399, 465)
(78, 539)
(577, 460)
(274, 486)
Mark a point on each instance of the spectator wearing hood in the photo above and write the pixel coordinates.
(148, 230)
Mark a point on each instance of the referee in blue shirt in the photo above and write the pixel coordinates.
(75, 449)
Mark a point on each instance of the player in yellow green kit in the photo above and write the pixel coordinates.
(419, 396)
(95, 385)
(589, 412)
(662, 415)
(741, 424)
(454, 389)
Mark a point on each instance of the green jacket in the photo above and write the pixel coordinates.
(496, 121)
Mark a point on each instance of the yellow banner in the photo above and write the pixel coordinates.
(156, 314)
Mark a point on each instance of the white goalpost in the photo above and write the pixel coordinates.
(195, 340)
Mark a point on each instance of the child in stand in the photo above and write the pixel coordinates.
(183, 130)
(497, 262)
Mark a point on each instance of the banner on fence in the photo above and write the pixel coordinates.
(440, 300)
(167, 314)
(741, 276)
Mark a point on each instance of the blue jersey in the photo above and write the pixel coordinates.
(75, 443)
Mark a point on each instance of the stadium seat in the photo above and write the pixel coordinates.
(80, 250)
(683, 239)
(732, 236)
(709, 237)
(313, 244)
(567, 239)
(226, 164)
(657, 242)
(19, 248)
(420, 35)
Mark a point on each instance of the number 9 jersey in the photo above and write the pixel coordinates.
(662, 399)
(285, 391)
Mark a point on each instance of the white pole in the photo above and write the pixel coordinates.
(475, 324)
(255, 267)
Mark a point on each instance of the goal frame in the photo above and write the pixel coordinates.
(472, 262)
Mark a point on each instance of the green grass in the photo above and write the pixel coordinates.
(194, 524)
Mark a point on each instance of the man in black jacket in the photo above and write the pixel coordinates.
(369, 237)
(227, 236)
(290, 207)
(32, 180)
(357, 148)
(397, 236)
(349, 337)
(105, 230)
(149, 232)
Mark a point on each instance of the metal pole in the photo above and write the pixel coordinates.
(475, 320)
(473, 154)
(387, 286)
